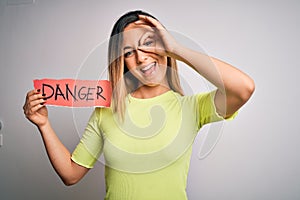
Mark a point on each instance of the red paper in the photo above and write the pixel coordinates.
(75, 93)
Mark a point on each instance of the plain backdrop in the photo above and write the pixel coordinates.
(257, 156)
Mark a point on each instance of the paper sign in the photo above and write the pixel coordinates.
(75, 93)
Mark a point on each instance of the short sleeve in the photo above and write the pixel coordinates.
(91, 144)
(206, 111)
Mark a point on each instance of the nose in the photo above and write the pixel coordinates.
(141, 56)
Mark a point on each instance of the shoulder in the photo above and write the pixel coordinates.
(99, 111)
(196, 97)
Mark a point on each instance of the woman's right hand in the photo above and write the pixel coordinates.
(35, 109)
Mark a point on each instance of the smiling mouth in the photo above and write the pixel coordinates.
(149, 69)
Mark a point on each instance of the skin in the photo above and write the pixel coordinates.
(148, 67)
(59, 156)
(234, 87)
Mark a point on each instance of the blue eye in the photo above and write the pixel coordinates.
(148, 43)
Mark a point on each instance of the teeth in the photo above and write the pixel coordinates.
(147, 67)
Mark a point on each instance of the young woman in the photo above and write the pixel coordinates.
(147, 133)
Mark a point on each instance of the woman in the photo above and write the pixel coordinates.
(146, 134)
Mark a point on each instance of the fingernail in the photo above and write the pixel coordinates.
(44, 99)
(38, 90)
(43, 95)
(42, 103)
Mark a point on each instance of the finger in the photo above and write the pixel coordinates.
(155, 50)
(151, 20)
(145, 25)
(34, 109)
(36, 102)
(28, 107)
(142, 22)
(31, 92)
(29, 97)
(147, 49)
(35, 96)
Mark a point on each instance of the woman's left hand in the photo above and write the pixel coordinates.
(170, 45)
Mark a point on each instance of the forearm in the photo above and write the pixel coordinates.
(60, 158)
(58, 154)
(224, 76)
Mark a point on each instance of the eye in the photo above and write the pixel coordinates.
(149, 43)
(128, 53)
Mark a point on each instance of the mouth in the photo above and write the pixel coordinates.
(149, 69)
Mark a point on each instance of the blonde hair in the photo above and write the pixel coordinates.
(122, 81)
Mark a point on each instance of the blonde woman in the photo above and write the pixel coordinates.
(146, 135)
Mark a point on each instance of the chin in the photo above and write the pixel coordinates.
(153, 83)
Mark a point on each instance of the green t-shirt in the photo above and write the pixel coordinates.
(148, 155)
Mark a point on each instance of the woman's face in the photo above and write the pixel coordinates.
(149, 68)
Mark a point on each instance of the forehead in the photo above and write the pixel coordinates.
(134, 32)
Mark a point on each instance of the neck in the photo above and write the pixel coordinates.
(145, 92)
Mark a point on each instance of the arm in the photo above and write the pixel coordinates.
(234, 87)
(59, 156)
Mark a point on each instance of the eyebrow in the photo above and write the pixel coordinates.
(127, 47)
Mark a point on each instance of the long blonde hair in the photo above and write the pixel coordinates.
(122, 81)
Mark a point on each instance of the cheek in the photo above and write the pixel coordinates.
(129, 64)
(163, 61)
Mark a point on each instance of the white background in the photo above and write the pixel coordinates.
(258, 154)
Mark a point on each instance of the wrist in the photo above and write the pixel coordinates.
(179, 52)
(43, 127)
